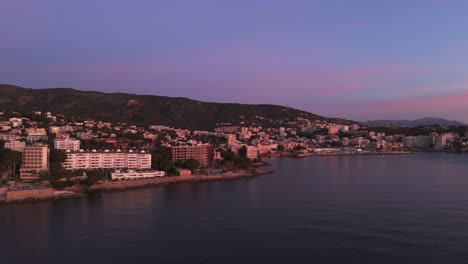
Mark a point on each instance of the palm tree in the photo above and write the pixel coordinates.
(9, 162)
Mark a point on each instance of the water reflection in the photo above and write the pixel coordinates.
(370, 209)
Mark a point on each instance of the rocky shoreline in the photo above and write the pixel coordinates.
(58, 195)
(78, 191)
(106, 186)
(130, 184)
(309, 155)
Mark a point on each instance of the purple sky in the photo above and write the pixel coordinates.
(368, 59)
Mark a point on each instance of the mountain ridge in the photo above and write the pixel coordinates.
(144, 109)
(425, 121)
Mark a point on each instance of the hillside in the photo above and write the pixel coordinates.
(142, 109)
(426, 121)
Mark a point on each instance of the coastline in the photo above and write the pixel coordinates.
(108, 186)
(58, 195)
(78, 191)
(362, 154)
(131, 184)
(299, 155)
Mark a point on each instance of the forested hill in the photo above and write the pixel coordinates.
(143, 109)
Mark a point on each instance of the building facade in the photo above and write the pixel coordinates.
(67, 144)
(36, 134)
(35, 160)
(442, 141)
(9, 137)
(15, 145)
(131, 174)
(86, 160)
(203, 153)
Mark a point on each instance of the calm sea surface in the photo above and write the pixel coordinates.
(372, 209)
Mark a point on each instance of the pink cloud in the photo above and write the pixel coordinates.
(452, 101)
(345, 88)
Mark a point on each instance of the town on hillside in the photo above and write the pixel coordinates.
(40, 150)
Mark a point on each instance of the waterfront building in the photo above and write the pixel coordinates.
(107, 159)
(424, 142)
(35, 160)
(202, 152)
(409, 142)
(67, 144)
(421, 142)
(442, 140)
(266, 148)
(15, 145)
(252, 152)
(184, 172)
(131, 174)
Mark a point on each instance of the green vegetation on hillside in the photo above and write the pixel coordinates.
(144, 109)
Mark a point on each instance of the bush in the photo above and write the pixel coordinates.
(191, 164)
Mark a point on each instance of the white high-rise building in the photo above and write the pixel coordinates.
(442, 140)
(107, 160)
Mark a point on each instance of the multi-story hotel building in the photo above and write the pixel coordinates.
(35, 160)
(67, 144)
(203, 153)
(107, 159)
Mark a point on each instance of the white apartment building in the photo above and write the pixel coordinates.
(15, 145)
(442, 140)
(67, 144)
(131, 174)
(107, 160)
